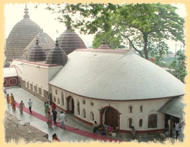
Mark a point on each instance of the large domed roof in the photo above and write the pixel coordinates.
(57, 56)
(20, 36)
(46, 43)
(37, 53)
(70, 41)
(115, 75)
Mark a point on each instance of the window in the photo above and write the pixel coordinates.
(140, 123)
(130, 122)
(55, 91)
(54, 99)
(141, 108)
(40, 91)
(130, 109)
(78, 108)
(84, 113)
(62, 97)
(84, 102)
(91, 103)
(58, 101)
(152, 121)
(35, 88)
(91, 116)
(27, 85)
(31, 87)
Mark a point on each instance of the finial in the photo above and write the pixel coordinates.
(37, 40)
(56, 42)
(26, 12)
(68, 27)
(103, 41)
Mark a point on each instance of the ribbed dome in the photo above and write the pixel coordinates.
(37, 53)
(57, 56)
(46, 43)
(70, 41)
(104, 45)
(20, 36)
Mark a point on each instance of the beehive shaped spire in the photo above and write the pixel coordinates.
(70, 41)
(57, 55)
(37, 53)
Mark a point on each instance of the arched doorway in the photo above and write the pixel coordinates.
(70, 105)
(111, 117)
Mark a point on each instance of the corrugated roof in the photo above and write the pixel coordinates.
(70, 41)
(45, 41)
(174, 107)
(20, 36)
(37, 53)
(57, 56)
(115, 75)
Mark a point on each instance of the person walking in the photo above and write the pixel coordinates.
(133, 132)
(45, 108)
(11, 99)
(8, 99)
(54, 116)
(177, 128)
(13, 104)
(53, 106)
(21, 106)
(49, 120)
(30, 103)
(62, 118)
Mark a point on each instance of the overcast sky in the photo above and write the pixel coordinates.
(47, 21)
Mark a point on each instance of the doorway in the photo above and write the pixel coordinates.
(111, 117)
(70, 105)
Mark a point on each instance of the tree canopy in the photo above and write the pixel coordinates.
(145, 27)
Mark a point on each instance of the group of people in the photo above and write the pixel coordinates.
(52, 115)
(104, 128)
(11, 100)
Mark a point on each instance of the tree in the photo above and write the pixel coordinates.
(145, 26)
(111, 41)
(179, 66)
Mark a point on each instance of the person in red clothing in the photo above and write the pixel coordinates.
(14, 104)
(55, 138)
(53, 106)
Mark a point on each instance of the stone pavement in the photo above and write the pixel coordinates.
(64, 136)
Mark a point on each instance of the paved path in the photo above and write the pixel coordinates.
(74, 131)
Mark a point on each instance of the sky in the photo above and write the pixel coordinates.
(46, 20)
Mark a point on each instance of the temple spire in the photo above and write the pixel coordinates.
(56, 42)
(37, 42)
(26, 12)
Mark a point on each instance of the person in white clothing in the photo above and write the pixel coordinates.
(62, 118)
(30, 103)
(177, 128)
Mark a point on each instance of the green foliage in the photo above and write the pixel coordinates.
(145, 27)
(111, 41)
(179, 66)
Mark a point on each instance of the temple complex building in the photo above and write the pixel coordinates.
(20, 36)
(116, 87)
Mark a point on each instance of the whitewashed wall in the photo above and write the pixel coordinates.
(36, 75)
(149, 106)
